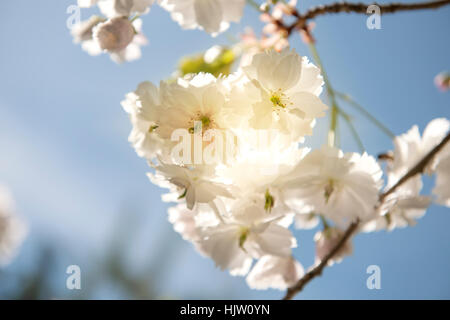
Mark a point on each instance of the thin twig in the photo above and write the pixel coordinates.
(366, 113)
(317, 270)
(418, 168)
(359, 8)
(353, 131)
(301, 24)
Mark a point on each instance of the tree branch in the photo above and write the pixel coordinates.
(317, 270)
(359, 8)
(418, 168)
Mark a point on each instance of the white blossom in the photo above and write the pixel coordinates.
(200, 99)
(142, 107)
(405, 205)
(410, 147)
(340, 186)
(115, 34)
(87, 3)
(238, 208)
(275, 273)
(288, 89)
(118, 8)
(192, 184)
(233, 244)
(221, 244)
(133, 50)
(442, 188)
(118, 36)
(187, 222)
(401, 208)
(213, 16)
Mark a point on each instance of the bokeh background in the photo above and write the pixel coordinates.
(76, 180)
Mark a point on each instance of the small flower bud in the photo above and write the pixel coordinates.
(442, 81)
(115, 34)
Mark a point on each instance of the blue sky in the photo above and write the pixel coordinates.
(65, 155)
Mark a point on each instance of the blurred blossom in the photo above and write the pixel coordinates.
(274, 36)
(280, 9)
(118, 8)
(271, 38)
(213, 16)
(12, 229)
(307, 37)
(119, 37)
(442, 81)
(115, 34)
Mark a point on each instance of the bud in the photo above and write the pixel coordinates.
(442, 81)
(326, 240)
(115, 34)
(306, 35)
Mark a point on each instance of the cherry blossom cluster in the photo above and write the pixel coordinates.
(230, 152)
(118, 31)
(12, 228)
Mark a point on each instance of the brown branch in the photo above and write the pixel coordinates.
(418, 168)
(317, 270)
(361, 8)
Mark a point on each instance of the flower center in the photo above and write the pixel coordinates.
(269, 201)
(279, 99)
(202, 122)
(152, 128)
(206, 121)
(329, 188)
(276, 101)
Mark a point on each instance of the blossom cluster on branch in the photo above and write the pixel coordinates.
(119, 30)
(229, 147)
(229, 150)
